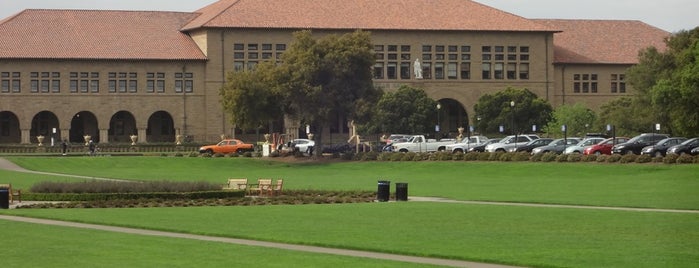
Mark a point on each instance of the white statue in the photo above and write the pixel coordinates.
(418, 69)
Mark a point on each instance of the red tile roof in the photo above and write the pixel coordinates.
(92, 34)
(603, 41)
(460, 15)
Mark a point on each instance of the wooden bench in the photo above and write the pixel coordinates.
(277, 187)
(13, 194)
(262, 187)
(236, 184)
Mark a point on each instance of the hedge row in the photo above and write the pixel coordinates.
(130, 196)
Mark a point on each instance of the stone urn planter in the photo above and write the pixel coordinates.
(40, 139)
(134, 138)
(178, 139)
(87, 139)
(310, 136)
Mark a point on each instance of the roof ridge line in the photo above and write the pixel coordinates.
(221, 11)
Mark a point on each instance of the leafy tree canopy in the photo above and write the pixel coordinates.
(495, 111)
(577, 118)
(408, 110)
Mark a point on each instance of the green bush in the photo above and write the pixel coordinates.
(521, 156)
(613, 158)
(658, 159)
(670, 159)
(495, 156)
(536, 157)
(458, 156)
(644, 158)
(685, 159)
(384, 156)
(369, 156)
(602, 158)
(548, 157)
(574, 157)
(628, 158)
(471, 156)
(219, 155)
(589, 158)
(561, 158)
(506, 157)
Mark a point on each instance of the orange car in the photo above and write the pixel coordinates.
(228, 146)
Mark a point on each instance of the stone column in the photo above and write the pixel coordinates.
(142, 135)
(26, 138)
(104, 135)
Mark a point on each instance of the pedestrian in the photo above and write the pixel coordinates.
(92, 148)
(64, 146)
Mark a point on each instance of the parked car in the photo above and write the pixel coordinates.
(661, 146)
(636, 144)
(303, 145)
(481, 148)
(556, 146)
(227, 146)
(605, 146)
(580, 147)
(394, 138)
(510, 142)
(685, 147)
(694, 151)
(532, 144)
(421, 144)
(466, 144)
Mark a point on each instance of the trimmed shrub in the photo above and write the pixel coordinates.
(458, 156)
(369, 156)
(628, 158)
(521, 156)
(561, 158)
(658, 159)
(685, 159)
(384, 156)
(506, 157)
(548, 157)
(495, 156)
(574, 157)
(218, 155)
(614, 158)
(602, 158)
(670, 159)
(484, 156)
(536, 157)
(644, 158)
(589, 158)
(472, 156)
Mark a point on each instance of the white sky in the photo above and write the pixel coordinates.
(669, 15)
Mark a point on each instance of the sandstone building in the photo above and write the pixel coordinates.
(112, 74)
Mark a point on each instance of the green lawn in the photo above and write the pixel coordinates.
(528, 236)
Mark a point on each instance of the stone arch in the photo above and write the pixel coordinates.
(9, 128)
(44, 123)
(121, 126)
(161, 127)
(452, 116)
(84, 123)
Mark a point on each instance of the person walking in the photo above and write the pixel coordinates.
(64, 146)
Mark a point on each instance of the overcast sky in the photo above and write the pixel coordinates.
(669, 15)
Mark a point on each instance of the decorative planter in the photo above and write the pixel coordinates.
(178, 139)
(267, 138)
(87, 139)
(310, 136)
(134, 138)
(40, 138)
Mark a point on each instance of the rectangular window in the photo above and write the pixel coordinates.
(378, 48)
(485, 68)
(427, 70)
(451, 70)
(404, 70)
(95, 86)
(378, 70)
(392, 70)
(178, 86)
(405, 56)
(524, 71)
(498, 72)
(45, 84)
(585, 87)
(94, 75)
(622, 87)
(188, 86)
(112, 86)
(405, 48)
(84, 84)
(238, 66)
(593, 87)
(465, 49)
(281, 47)
(614, 87)
(160, 86)
(238, 55)
(392, 48)
(253, 55)
(238, 46)
(16, 86)
(133, 86)
(511, 71)
(426, 56)
(122, 86)
(266, 46)
(439, 70)
(150, 86)
(56, 86)
(392, 56)
(576, 87)
(252, 46)
(426, 48)
(5, 85)
(34, 86)
(5, 75)
(465, 70)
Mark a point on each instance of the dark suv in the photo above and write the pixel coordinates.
(636, 144)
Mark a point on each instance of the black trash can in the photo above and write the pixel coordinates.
(401, 191)
(384, 191)
(4, 198)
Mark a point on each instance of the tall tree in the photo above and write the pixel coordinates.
(577, 118)
(407, 110)
(668, 82)
(249, 97)
(493, 111)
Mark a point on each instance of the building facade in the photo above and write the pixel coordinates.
(113, 74)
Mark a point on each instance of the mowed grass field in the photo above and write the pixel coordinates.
(526, 236)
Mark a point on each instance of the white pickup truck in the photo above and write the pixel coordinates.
(465, 144)
(420, 144)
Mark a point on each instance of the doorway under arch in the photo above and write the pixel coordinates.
(161, 127)
(121, 126)
(44, 123)
(84, 123)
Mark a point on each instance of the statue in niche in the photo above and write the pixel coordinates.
(418, 69)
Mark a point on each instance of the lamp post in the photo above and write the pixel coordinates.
(514, 129)
(436, 127)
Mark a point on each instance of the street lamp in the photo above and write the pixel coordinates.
(436, 127)
(514, 129)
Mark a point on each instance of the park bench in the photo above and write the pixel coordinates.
(13, 194)
(236, 184)
(277, 187)
(262, 187)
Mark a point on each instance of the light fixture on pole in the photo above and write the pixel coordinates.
(514, 129)
(436, 127)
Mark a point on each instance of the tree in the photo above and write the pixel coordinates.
(407, 110)
(249, 97)
(316, 81)
(577, 118)
(495, 111)
(627, 115)
(668, 83)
